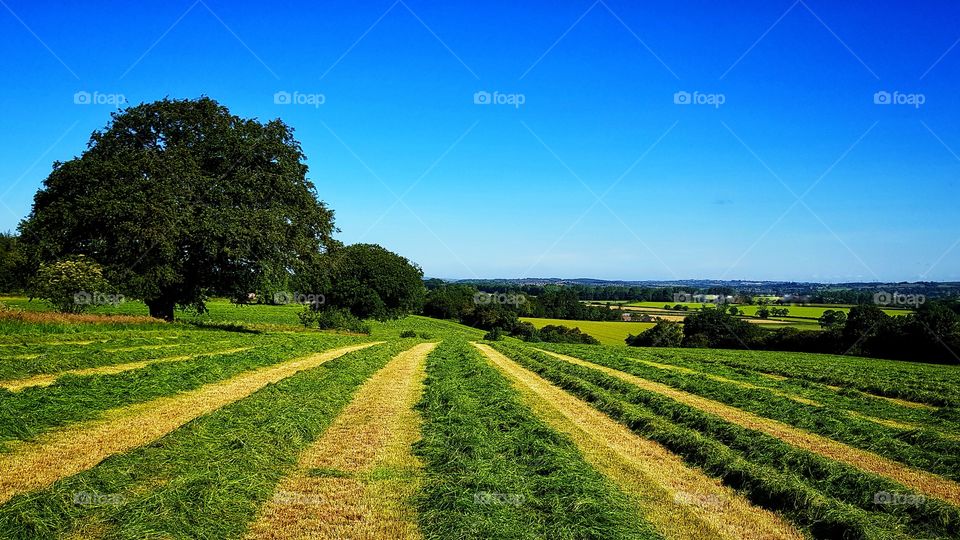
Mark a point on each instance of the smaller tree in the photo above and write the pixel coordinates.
(71, 285)
(833, 319)
(663, 334)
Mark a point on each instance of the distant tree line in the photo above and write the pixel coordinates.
(502, 310)
(931, 334)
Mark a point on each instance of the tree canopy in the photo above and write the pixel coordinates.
(180, 199)
(368, 280)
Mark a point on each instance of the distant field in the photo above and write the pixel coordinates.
(813, 312)
(607, 332)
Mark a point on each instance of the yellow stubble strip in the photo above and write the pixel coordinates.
(358, 479)
(76, 448)
(15, 385)
(679, 501)
(921, 481)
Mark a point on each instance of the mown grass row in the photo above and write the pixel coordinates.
(826, 498)
(493, 470)
(32, 411)
(206, 479)
(922, 449)
(44, 359)
(933, 384)
(940, 420)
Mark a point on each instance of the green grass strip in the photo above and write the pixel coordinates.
(493, 470)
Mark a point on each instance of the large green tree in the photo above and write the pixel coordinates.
(179, 199)
(367, 279)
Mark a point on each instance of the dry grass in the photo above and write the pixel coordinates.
(681, 502)
(15, 385)
(921, 481)
(357, 480)
(50, 317)
(76, 448)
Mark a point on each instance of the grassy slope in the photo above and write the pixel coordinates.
(826, 498)
(206, 479)
(921, 450)
(32, 411)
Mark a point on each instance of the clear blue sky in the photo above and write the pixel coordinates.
(498, 190)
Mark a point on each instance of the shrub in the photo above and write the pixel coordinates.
(494, 335)
(70, 284)
(562, 334)
(333, 319)
(662, 334)
(424, 335)
(408, 333)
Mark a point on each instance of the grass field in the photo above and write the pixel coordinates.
(125, 428)
(607, 332)
(809, 312)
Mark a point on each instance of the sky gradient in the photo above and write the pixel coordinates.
(785, 167)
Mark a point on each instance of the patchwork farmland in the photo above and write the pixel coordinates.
(243, 425)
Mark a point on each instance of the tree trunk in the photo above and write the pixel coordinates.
(161, 308)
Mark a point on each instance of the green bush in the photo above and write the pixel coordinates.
(408, 333)
(494, 335)
(333, 319)
(425, 335)
(72, 285)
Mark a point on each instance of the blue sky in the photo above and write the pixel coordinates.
(797, 174)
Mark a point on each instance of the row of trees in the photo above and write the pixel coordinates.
(931, 334)
(179, 200)
(502, 311)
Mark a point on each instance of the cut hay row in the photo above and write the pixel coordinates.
(920, 481)
(493, 469)
(358, 480)
(894, 424)
(895, 401)
(681, 502)
(16, 385)
(727, 380)
(67, 451)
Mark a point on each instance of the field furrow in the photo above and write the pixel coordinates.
(679, 501)
(358, 480)
(921, 481)
(76, 448)
(15, 385)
